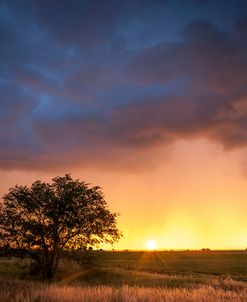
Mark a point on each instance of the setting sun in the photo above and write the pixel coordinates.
(151, 245)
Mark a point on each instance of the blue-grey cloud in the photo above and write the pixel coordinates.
(105, 82)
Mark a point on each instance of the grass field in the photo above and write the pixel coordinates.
(131, 276)
(233, 263)
(23, 291)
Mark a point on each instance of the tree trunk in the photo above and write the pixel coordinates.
(48, 263)
(51, 265)
(49, 274)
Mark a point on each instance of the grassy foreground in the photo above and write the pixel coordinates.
(23, 291)
(132, 277)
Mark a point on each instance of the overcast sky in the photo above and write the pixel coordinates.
(130, 94)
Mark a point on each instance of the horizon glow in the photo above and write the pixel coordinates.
(146, 99)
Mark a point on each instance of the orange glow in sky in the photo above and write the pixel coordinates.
(151, 109)
(195, 197)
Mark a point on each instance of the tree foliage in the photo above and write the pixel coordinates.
(47, 218)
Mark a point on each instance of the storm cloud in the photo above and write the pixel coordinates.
(103, 83)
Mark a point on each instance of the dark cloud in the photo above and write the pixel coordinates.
(215, 66)
(103, 83)
(210, 59)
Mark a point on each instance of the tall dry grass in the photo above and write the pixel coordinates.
(17, 291)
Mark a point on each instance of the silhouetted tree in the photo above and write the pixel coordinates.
(46, 219)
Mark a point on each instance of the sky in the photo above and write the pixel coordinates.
(146, 98)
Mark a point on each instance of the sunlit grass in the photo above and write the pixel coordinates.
(132, 277)
(227, 290)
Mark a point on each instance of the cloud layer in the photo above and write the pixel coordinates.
(103, 83)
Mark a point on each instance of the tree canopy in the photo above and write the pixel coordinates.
(47, 218)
